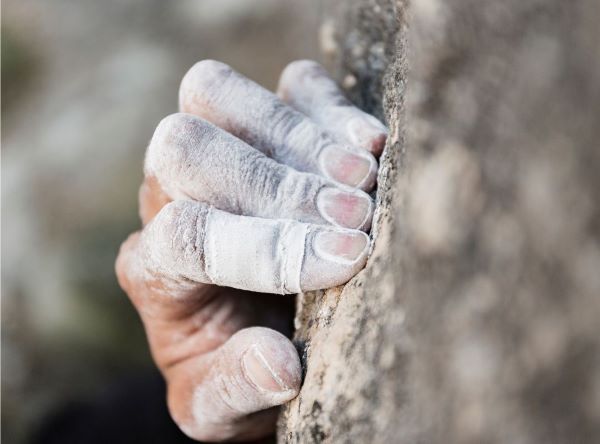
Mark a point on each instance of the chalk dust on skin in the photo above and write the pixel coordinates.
(256, 369)
(189, 242)
(193, 159)
(214, 91)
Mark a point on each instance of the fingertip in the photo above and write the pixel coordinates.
(367, 132)
(333, 257)
(371, 179)
(377, 143)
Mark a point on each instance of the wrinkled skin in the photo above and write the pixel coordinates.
(249, 190)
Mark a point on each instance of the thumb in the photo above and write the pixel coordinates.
(216, 396)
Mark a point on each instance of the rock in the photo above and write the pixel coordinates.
(477, 317)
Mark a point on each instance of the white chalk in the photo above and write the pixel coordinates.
(189, 242)
(217, 93)
(193, 159)
(306, 86)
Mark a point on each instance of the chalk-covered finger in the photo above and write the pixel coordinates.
(189, 243)
(223, 395)
(193, 159)
(217, 93)
(306, 86)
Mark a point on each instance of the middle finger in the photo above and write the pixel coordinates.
(194, 160)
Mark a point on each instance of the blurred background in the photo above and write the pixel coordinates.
(83, 85)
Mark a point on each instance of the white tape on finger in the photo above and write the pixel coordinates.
(254, 254)
(292, 245)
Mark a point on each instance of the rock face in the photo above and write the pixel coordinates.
(477, 319)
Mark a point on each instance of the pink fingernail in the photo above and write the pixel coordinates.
(346, 209)
(260, 372)
(348, 168)
(341, 246)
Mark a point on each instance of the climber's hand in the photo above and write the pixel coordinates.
(245, 192)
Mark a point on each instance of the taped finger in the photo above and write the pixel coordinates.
(189, 243)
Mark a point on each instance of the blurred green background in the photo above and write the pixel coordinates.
(84, 83)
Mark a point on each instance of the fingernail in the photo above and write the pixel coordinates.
(339, 246)
(367, 132)
(346, 167)
(259, 371)
(346, 209)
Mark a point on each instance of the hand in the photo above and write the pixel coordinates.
(268, 197)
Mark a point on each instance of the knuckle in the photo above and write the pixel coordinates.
(295, 74)
(207, 70)
(174, 240)
(300, 189)
(291, 76)
(262, 178)
(304, 137)
(160, 154)
(298, 69)
(285, 132)
(168, 225)
(205, 78)
(172, 139)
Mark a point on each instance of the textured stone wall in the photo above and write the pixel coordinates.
(477, 319)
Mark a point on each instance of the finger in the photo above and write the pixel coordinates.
(215, 92)
(189, 243)
(216, 396)
(193, 159)
(151, 198)
(306, 86)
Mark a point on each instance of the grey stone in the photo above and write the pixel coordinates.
(476, 319)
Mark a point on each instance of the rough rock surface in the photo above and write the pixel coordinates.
(477, 319)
